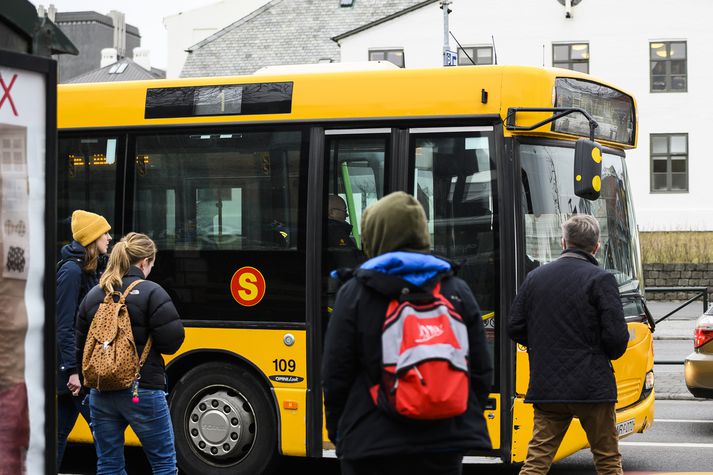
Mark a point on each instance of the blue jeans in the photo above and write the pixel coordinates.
(112, 411)
(68, 409)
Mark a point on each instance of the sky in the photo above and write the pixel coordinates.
(146, 15)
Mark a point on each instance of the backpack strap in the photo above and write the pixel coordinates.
(149, 342)
(129, 289)
(147, 347)
(69, 259)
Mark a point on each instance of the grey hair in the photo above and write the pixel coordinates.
(581, 231)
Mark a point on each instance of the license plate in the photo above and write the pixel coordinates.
(626, 427)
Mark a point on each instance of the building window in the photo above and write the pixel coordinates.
(574, 56)
(475, 55)
(669, 162)
(396, 56)
(668, 66)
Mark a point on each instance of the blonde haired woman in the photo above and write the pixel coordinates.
(83, 261)
(152, 315)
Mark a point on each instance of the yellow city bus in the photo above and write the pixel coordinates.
(231, 177)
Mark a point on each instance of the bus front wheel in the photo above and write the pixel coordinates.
(223, 421)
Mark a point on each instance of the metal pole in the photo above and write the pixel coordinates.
(446, 42)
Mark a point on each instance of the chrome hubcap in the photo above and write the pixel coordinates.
(221, 424)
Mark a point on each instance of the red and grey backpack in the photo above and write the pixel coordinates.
(425, 368)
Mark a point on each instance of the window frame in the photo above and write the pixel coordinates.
(660, 156)
(570, 61)
(667, 61)
(472, 51)
(385, 52)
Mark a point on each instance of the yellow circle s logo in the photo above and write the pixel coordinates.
(247, 286)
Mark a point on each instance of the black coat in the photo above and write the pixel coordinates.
(152, 313)
(569, 315)
(351, 364)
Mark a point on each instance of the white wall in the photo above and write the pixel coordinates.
(618, 33)
(190, 27)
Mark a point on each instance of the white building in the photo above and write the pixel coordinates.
(651, 48)
(187, 28)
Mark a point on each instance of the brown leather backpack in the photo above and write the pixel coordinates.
(110, 361)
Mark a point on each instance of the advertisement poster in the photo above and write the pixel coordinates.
(22, 257)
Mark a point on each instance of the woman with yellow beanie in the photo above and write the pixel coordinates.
(83, 262)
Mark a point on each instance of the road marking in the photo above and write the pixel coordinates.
(667, 444)
(686, 421)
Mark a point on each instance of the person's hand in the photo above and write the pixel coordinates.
(73, 384)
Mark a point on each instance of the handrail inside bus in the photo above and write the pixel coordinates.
(350, 203)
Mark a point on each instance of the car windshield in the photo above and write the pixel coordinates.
(548, 200)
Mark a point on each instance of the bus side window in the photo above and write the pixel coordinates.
(86, 179)
(223, 191)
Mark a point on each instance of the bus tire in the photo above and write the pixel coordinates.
(224, 422)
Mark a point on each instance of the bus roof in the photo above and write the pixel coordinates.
(454, 92)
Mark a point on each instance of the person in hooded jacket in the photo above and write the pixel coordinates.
(369, 440)
(152, 314)
(82, 264)
(569, 315)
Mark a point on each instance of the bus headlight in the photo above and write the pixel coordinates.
(649, 381)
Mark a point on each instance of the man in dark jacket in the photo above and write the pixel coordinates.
(368, 440)
(568, 314)
(338, 230)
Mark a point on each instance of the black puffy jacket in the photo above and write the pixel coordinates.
(152, 313)
(569, 315)
(352, 363)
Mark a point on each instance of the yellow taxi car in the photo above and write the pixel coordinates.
(699, 364)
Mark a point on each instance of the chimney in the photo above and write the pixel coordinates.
(119, 21)
(46, 12)
(108, 57)
(142, 57)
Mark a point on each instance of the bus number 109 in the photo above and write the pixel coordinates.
(284, 365)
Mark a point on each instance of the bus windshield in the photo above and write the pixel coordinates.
(548, 199)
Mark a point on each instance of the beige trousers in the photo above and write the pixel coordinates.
(551, 423)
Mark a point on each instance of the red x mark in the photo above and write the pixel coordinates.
(6, 94)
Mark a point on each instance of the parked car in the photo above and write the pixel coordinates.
(699, 364)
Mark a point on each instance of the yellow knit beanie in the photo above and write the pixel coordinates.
(88, 227)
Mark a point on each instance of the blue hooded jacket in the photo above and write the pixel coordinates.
(414, 267)
(72, 285)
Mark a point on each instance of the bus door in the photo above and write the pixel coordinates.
(356, 161)
(452, 174)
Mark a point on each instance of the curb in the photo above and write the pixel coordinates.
(676, 397)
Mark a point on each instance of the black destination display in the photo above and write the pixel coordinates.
(221, 99)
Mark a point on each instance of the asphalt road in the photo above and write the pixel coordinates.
(681, 440)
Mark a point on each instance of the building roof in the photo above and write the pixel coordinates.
(287, 32)
(76, 17)
(123, 70)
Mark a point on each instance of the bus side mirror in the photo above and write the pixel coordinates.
(587, 169)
